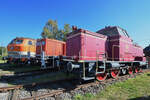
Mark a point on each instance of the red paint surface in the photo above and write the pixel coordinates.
(86, 45)
(51, 47)
(121, 47)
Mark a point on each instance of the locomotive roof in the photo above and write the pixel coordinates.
(50, 39)
(87, 32)
(24, 38)
(113, 30)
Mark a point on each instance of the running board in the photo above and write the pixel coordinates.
(88, 78)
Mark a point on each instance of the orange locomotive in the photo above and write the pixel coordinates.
(21, 50)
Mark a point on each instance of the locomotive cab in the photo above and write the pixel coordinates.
(20, 50)
(121, 46)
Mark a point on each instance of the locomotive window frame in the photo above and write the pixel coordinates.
(122, 32)
(38, 43)
(30, 43)
(16, 41)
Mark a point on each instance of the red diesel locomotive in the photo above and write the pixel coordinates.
(48, 52)
(110, 50)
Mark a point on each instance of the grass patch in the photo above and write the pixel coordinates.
(130, 89)
(2, 61)
(87, 96)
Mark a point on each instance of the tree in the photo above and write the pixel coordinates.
(67, 29)
(51, 30)
(3, 52)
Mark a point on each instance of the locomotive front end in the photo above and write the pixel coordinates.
(85, 51)
(20, 50)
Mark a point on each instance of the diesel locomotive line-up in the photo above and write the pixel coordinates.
(89, 55)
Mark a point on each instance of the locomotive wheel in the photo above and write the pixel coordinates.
(101, 76)
(114, 73)
(137, 69)
(130, 71)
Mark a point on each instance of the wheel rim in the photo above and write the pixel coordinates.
(115, 73)
(130, 71)
(101, 77)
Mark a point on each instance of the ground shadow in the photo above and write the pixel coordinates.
(141, 98)
(16, 69)
(148, 74)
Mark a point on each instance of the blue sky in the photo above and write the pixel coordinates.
(26, 18)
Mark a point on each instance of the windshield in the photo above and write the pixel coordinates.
(39, 43)
(16, 41)
(123, 32)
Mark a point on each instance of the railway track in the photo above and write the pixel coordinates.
(5, 89)
(69, 88)
(14, 90)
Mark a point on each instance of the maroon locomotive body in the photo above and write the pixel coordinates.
(96, 54)
(114, 42)
(121, 46)
(79, 45)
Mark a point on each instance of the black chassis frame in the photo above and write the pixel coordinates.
(87, 70)
(51, 62)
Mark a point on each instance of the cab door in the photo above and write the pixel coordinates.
(31, 47)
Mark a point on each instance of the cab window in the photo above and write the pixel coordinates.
(16, 41)
(12, 42)
(19, 41)
(30, 43)
(38, 43)
(123, 32)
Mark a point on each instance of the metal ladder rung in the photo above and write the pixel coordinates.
(99, 72)
(88, 78)
(102, 67)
